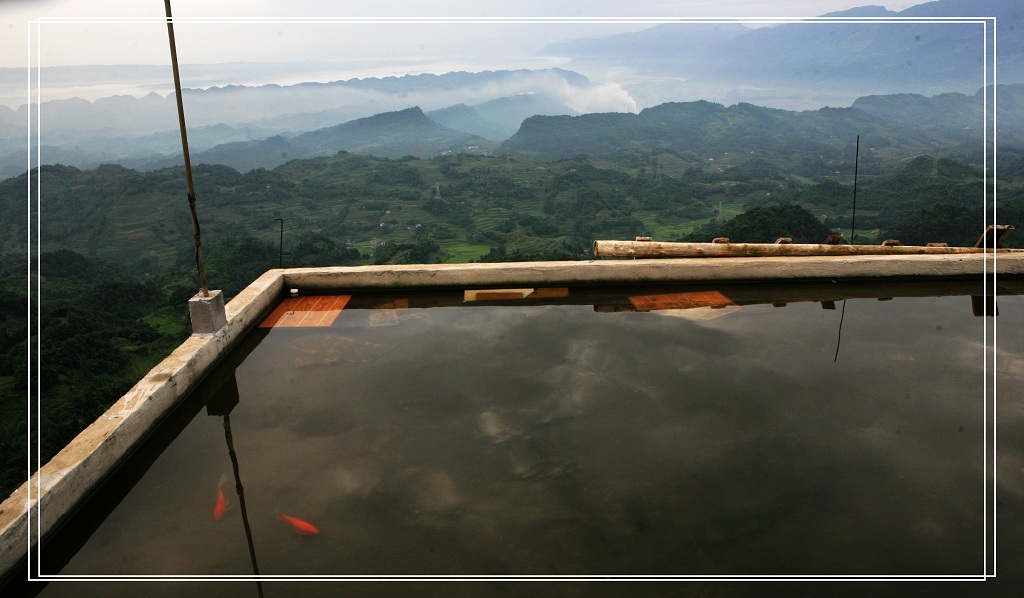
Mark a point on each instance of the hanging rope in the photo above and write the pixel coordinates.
(184, 149)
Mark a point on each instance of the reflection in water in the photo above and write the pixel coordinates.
(839, 333)
(563, 440)
(241, 501)
(223, 400)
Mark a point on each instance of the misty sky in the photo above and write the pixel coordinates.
(80, 42)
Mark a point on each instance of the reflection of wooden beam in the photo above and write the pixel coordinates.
(656, 249)
(306, 312)
(980, 308)
(514, 294)
(612, 298)
(496, 294)
(650, 302)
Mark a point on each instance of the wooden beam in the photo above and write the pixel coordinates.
(656, 249)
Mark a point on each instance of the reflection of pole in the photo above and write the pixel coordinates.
(241, 501)
(184, 148)
(853, 236)
(280, 245)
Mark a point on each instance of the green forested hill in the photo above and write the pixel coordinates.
(808, 143)
(766, 224)
(562, 181)
(97, 332)
(356, 209)
(802, 142)
(389, 135)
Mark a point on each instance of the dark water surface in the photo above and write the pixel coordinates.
(567, 440)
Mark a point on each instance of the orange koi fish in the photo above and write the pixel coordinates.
(301, 527)
(222, 502)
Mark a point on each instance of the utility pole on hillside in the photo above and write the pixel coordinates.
(280, 245)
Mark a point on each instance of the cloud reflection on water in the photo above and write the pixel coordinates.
(560, 440)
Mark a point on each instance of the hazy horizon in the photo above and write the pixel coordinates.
(314, 43)
(73, 32)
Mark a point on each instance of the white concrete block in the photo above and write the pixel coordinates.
(207, 313)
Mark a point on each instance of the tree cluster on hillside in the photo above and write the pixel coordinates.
(765, 225)
(97, 332)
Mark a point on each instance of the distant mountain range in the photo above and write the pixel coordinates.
(812, 64)
(795, 65)
(945, 121)
(143, 131)
(387, 135)
(410, 132)
(499, 119)
(946, 124)
(301, 107)
(892, 125)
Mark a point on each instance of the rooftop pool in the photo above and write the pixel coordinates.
(825, 429)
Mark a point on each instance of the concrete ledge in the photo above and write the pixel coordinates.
(650, 271)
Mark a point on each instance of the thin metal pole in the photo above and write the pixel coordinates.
(280, 245)
(184, 148)
(856, 163)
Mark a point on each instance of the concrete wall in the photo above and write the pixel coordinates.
(43, 502)
(629, 271)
